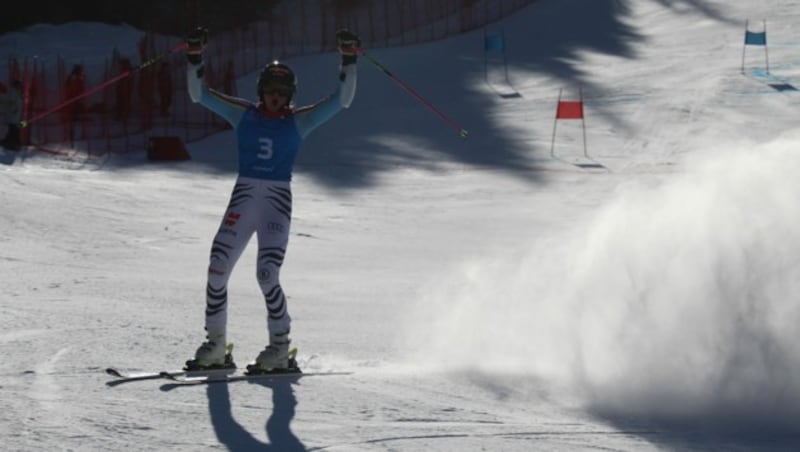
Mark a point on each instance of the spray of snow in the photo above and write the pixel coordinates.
(676, 300)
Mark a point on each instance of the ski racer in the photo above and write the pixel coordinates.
(268, 133)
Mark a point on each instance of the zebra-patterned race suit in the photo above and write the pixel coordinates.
(261, 201)
(262, 207)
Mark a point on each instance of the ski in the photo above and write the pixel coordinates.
(178, 380)
(125, 377)
(228, 374)
(250, 372)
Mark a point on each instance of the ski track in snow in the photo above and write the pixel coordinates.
(44, 388)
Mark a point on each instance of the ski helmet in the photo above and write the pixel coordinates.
(277, 75)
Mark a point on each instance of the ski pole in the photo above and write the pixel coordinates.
(461, 131)
(108, 82)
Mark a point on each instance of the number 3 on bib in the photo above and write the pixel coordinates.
(266, 148)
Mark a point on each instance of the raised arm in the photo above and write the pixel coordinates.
(309, 118)
(228, 107)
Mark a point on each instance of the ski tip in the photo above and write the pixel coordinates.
(113, 372)
(168, 375)
(292, 353)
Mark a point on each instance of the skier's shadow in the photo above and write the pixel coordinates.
(237, 438)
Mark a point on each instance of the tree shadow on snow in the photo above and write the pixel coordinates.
(278, 429)
(386, 128)
(547, 38)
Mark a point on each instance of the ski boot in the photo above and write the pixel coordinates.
(214, 353)
(276, 357)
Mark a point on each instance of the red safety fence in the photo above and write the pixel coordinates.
(153, 100)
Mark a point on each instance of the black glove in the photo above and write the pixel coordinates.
(196, 43)
(348, 45)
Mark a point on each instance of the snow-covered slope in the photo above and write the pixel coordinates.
(485, 295)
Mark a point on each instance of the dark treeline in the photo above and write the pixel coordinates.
(175, 17)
